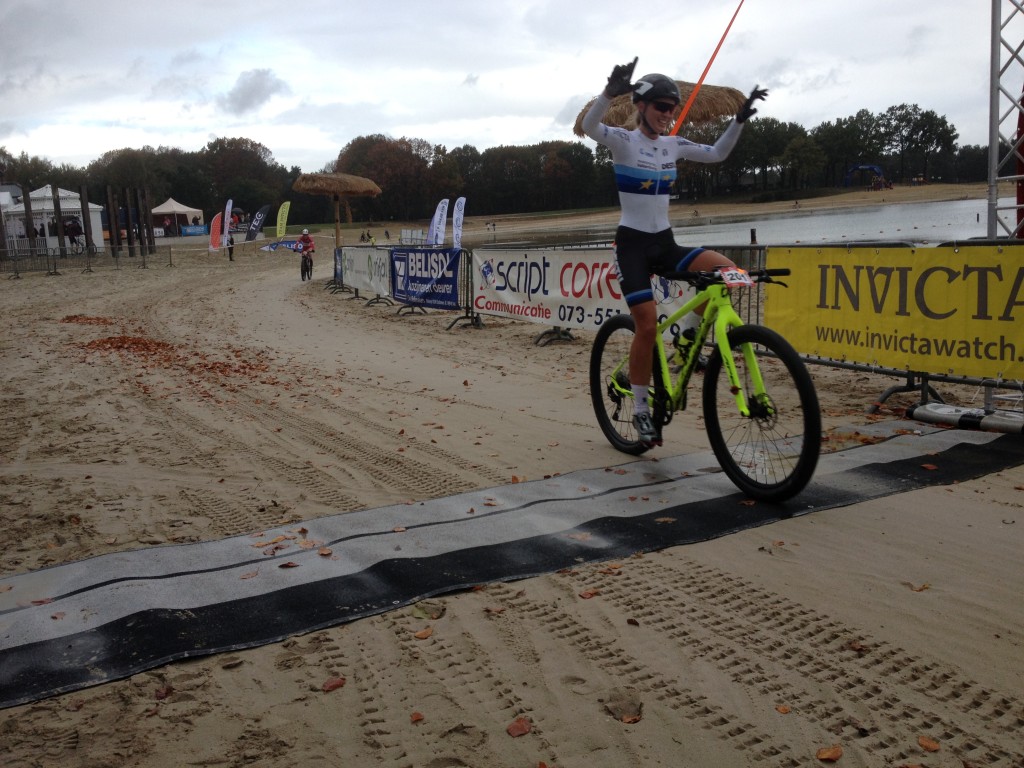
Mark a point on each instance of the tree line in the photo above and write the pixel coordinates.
(773, 160)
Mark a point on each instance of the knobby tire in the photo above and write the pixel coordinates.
(771, 454)
(614, 412)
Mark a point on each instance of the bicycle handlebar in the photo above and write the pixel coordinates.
(709, 277)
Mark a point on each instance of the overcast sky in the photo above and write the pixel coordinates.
(305, 77)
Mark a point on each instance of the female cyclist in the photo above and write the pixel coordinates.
(645, 170)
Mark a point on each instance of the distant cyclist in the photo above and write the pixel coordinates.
(645, 171)
(307, 247)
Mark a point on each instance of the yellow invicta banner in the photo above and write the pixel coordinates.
(945, 311)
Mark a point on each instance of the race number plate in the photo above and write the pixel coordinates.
(735, 277)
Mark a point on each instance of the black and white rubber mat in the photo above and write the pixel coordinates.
(126, 612)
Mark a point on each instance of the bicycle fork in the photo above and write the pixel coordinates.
(726, 320)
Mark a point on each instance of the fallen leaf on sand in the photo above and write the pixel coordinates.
(416, 717)
(519, 727)
(423, 634)
(782, 709)
(829, 754)
(589, 593)
(333, 684)
(927, 744)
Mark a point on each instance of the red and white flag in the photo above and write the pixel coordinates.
(215, 232)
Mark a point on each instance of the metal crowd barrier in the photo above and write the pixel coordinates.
(749, 304)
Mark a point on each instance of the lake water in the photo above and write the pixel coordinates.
(919, 223)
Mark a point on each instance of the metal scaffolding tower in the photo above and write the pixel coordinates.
(1006, 119)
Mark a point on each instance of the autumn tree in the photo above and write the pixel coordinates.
(802, 162)
(30, 172)
(915, 136)
(846, 142)
(398, 167)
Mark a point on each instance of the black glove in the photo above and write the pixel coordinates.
(747, 111)
(620, 80)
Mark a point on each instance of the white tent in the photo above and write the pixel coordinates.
(179, 212)
(43, 213)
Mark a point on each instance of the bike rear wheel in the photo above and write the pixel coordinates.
(609, 384)
(772, 453)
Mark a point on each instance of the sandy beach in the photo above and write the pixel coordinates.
(144, 408)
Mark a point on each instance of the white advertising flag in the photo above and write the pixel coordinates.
(437, 225)
(227, 224)
(460, 209)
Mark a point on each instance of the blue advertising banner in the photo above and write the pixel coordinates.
(338, 274)
(289, 244)
(426, 277)
(198, 229)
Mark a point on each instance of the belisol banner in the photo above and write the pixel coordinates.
(367, 269)
(945, 310)
(426, 277)
(564, 288)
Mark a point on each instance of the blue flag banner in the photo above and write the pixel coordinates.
(425, 277)
(338, 268)
(291, 245)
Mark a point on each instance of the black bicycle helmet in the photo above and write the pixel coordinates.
(654, 86)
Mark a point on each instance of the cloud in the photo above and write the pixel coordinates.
(252, 90)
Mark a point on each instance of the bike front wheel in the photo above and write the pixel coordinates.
(771, 452)
(609, 384)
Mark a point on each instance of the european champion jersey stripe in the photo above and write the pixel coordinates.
(639, 181)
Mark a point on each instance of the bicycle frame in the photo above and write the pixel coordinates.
(720, 316)
(768, 447)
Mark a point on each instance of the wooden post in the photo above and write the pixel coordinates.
(337, 221)
(58, 220)
(148, 239)
(5, 252)
(114, 222)
(129, 229)
(83, 199)
(30, 224)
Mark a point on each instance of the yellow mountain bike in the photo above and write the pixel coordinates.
(760, 409)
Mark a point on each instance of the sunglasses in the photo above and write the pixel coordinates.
(662, 106)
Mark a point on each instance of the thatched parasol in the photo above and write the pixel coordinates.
(712, 102)
(340, 186)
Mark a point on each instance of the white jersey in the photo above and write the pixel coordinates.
(645, 169)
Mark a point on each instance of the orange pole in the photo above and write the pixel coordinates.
(693, 96)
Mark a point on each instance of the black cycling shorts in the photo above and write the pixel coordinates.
(640, 254)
